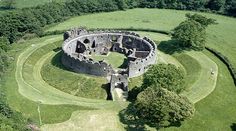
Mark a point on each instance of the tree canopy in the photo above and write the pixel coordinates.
(165, 76)
(204, 21)
(160, 107)
(191, 33)
(216, 5)
(231, 7)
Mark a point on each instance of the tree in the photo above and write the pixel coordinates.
(193, 4)
(216, 4)
(205, 22)
(231, 7)
(166, 76)
(190, 34)
(121, 4)
(9, 4)
(160, 107)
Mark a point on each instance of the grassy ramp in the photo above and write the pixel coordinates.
(206, 81)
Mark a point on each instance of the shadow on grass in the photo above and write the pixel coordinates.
(133, 122)
(129, 117)
(233, 127)
(57, 49)
(171, 47)
(56, 60)
(133, 93)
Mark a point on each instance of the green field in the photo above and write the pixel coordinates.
(30, 3)
(36, 75)
(220, 36)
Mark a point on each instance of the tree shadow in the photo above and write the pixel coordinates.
(133, 93)
(233, 126)
(129, 117)
(171, 47)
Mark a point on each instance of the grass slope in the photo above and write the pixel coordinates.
(50, 113)
(191, 66)
(98, 120)
(205, 82)
(220, 36)
(32, 86)
(73, 83)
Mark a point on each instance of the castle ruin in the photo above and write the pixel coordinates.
(80, 44)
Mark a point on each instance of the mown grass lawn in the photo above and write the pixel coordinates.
(191, 66)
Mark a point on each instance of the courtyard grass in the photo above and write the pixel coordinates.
(117, 60)
(220, 37)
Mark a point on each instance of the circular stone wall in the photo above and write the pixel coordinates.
(79, 44)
